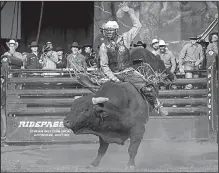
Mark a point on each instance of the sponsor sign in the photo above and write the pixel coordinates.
(41, 128)
(45, 128)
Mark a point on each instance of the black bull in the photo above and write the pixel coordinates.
(116, 112)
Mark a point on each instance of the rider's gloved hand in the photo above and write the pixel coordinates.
(115, 79)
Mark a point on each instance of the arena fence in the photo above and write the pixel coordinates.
(38, 100)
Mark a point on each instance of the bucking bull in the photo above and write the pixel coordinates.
(116, 112)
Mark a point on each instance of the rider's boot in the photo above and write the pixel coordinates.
(150, 95)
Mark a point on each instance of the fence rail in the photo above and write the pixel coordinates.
(34, 97)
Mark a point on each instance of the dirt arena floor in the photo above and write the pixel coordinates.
(152, 156)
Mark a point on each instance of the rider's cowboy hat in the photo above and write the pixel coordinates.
(139, 43)
(12, 42)
(33, 44)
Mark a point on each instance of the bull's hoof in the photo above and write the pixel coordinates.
(130, 168)
(89, 167)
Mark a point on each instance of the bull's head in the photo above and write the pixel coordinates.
(83, 114)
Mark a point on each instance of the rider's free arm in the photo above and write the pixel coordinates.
(104, 63)
(131, 34)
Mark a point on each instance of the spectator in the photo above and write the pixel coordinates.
(13, 45)
(49, 45)
(76, 60)
(80, 50)
(24, 55)
(140, 44)
(212, 48)
(167, 56)
(204, 45)
(32, 59)
(48, 59)
(191, 56)
(155, 46)
(89, 55)
(62, 61)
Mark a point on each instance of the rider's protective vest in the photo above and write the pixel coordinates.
(118, 54)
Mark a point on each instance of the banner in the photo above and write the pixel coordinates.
(40, 129)
(11, 20)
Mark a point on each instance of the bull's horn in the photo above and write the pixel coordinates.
(99, 100)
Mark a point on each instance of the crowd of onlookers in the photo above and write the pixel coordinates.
(50, 58)
(191, 56)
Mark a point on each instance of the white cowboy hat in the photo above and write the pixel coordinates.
(154, 41)
(162, 43)
(12, 42)
(111, 25)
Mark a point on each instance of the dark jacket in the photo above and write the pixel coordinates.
(89, 58)
(62, 63)
(32, 61)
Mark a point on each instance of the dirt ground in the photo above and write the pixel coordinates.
(152, 156)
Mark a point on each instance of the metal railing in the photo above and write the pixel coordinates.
(213, 95)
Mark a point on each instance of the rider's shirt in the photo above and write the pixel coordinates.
(117, 53)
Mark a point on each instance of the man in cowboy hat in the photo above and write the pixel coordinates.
(13, 45)
(191, 56)
(75, 60)
(212, 48)
(167, 56)
(155, 46)
(49, 44)
(89, 55)
(62, 61)
(32, 59)
(49, 58)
